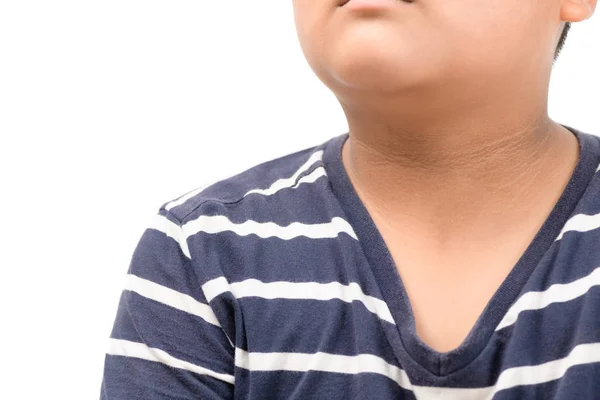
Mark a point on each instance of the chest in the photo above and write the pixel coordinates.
(449, 290)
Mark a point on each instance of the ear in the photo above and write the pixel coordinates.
(577, 10)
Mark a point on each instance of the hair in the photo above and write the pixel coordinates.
(561, 42)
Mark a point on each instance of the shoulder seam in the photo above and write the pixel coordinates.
(168, 212)
(313, 150)
(243, 196)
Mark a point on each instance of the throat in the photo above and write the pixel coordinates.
(460, 199)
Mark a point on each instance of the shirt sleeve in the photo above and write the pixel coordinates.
(166, 341)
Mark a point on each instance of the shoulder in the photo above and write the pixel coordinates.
(264, 179)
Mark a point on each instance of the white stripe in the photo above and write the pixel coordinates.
(557, 293)
(580, 223)
(298, 290)
(120, 347)
(168, 227)
(446, 393)
(312, 177)
(320, 361)
(288, 182)
(220, 223)
(598, 169)
(170, 297)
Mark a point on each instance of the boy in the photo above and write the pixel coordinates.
(446, 247)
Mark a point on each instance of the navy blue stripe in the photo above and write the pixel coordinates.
(544, 335)
(128, 378)
(278, 385)
(300, 259)
(278, 207)
(574, 251)
(307, 326)
(184, 336)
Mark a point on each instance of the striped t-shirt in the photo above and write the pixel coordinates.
(276, 284)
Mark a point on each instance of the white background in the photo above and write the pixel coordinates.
(110, 108)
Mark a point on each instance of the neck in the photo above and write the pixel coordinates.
(450, 174)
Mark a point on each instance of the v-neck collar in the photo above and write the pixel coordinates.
(390, 283)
